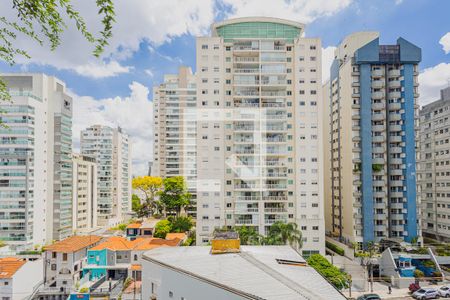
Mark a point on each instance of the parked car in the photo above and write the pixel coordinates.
(369, 297)
(428, 293)
(444, 291)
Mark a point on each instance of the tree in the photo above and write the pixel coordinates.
(162, 228)
(248, 235)
(174, 195)
(42, 20)
(181, 224)
(149, 187)
(326, 269)
(135, 202)
(284, 233)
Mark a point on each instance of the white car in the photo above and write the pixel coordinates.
(444, 291)
(426, 293)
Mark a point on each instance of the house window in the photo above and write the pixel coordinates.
(53, 254)
(64, 256)
(53, 267)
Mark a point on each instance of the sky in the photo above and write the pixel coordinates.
(153, 37)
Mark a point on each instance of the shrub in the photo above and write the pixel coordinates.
(84, 290)
(181, 224)
(377, 167)
(418, 274)
(162, 228)
(335, 276)
(428, 264)
(335, 248)
(437, 274)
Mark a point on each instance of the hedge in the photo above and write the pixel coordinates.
(335, 276)
(335, 248)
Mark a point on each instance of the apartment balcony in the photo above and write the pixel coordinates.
(273, 93)
(396, 205)
(396, 194)
(377, 95)
(355, 84)
(356, 95)
(396, 172)
(356, 127)
(381, 217)
(396, 183)
(377, 73)
(272, 221)
(357, 193)
(397, 217)
(356, 106)
(246, 71)
(246, 59)
(395, 84)
(394, 95)
(275, 186)
(378, 128)
(380, 205)
(380, 194)
(395, 150)
(395, 128)
(245, 47)
(378, 183)
(273, 82)
(395, 161)
(394, 106)
(378, 150)
(378, 117)
(394, 73)
(357, 204)
(246, 222)
(248, 198)
(394, 117)
(246, 211)
(247, 186)
(357, 182)
(355, 73)
(397, 227)
(380, 228)
(275, 210)
(244, 128)
(274, 198)
(274, 175)
(356, 116)
(395, 139)
(273, 104)
(245, 82)
(378, 106)
(276, 128)
(377, 84)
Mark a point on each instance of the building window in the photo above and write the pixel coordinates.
(64, 257)
(170, 294)
(53, 254)
(204, 47)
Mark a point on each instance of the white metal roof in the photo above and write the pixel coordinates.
(254, 271)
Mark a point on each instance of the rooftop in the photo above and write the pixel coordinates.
(74, 243)
(118, 243)
(268, 272)
(9, 266)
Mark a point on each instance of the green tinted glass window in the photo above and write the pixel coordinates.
(259, 30)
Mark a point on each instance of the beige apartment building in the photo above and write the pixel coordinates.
(175, 126)
(84, 202)
(259, 147)
(434, 167)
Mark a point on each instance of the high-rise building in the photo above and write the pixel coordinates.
(434, 167)
(371, 119)
(111, 149)
(259, 154)
(35, 163)
(174, 107)
(84, 203)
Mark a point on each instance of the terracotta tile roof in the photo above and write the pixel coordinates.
(115, 243)
(176, 235)
(9, 266)
(118, 243)
(74, 243)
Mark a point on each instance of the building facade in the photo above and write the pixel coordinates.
(84, 202)
(434, 167)
(111, 149)
(35, 163)
(372, 119)
(258, 129)
(174, 107)
(19, 278)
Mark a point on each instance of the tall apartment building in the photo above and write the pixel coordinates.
(84, 202)
(174, 108)
(259, 154)
(371, 118)
(111, 149)
(434, 167)
(35, 163)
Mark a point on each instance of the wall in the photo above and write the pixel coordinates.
(26, 278)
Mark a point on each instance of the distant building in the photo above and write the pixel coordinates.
(237, 272)
(175, 115)
(19, 278)
(84, 201)
(35, 162)
(111, 149)
(150, 165)
(64, 260)
(370, 151)
(434, 167)
(141, 229)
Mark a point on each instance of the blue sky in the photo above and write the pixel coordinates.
(153, 37)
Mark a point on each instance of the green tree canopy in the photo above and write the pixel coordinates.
(174, 195)
(181, 224)
(43, 20)
(248, 235)
(162, 228)
(284, 233)
(149, 188)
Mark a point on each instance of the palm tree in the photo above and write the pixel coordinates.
(284, 233)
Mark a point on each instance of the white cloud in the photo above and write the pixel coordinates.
(150, 73)
(133, 113)
(297, 10)
(445, 42)
(101, 70)
(398, 2)
(431, 81)
(327, 60)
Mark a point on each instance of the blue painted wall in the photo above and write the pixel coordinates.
(366, 152)
(102, 256)
(409, 149)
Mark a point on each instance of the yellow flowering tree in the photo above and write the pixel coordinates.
(149, 187)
